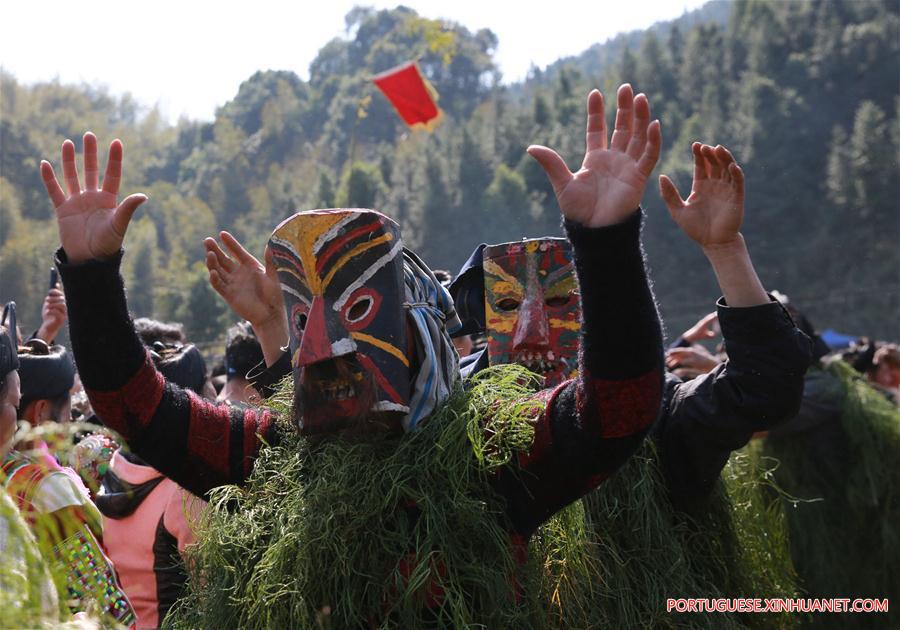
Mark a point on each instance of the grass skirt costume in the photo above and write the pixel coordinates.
(370, 541)
(842, 486)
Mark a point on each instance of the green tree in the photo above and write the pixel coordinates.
(361, 187)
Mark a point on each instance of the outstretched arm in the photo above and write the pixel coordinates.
(761, 384)
(591, 424)
(197, 444)
(712, 216)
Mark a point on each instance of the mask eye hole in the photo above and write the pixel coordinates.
(359, 309)
(556, 302)
(508, 304)
(299, 318)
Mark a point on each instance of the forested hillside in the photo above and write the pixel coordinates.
(805, 94)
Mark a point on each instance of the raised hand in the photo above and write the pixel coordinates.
(53, 315)
(251, 290)
(610, 184)
(712, 217)
(90, 221)
(705, 328)
(713, 212)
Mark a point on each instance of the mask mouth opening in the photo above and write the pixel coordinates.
(538, 361)
(336, 396)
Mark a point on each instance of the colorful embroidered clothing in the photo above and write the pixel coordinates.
(67, 525)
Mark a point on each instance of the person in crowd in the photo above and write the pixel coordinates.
(243, 355)
(838, 471)
(178, 360)
(522, 295)
(372, 361)
(148, 520)
(462, 342)
(62, 518)
(47, 374)
(153, 330)
(879, 362)
(28, 595)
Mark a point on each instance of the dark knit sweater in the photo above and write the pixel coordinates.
(707, 417)
(587, 427)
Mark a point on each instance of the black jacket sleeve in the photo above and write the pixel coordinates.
(757, 389)
(196, 443)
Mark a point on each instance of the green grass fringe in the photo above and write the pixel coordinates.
(318, 535)
(639, 551)
(28, 596)
(842, 487)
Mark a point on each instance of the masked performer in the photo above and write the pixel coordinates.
(523, 295)
(372, 361)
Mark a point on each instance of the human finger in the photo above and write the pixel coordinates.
(217, 281)
(556, 169)
(236, 249)
(641, 124)
(724, 156)
(221, 258)
(113, 175)
(56, 194)
(737, 178)
(670, 195)
(70, 170)
(709, 318)
(91, 169)
(624, 118)
(595, 138)
(700, 170)
(125, 210)
(651, 150)
(713, 166)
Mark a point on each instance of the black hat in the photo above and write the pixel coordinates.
(182, 365)
(9, 359)
(467, 291)
(46, 372)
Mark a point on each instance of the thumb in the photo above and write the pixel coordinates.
(122, 214)
(670, 194)
(556, 169)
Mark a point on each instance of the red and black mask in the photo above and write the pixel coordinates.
(341, 273)
(532, 309)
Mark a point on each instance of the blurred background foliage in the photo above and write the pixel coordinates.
(805, 94)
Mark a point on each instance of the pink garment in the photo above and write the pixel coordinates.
(133, 541)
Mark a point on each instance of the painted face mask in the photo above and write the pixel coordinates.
(341, 273)
(532, 312)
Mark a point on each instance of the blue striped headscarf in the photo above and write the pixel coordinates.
(431, 309)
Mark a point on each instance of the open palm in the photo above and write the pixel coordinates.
(250, 289)
(91, 224)
(610, 184)
(713, 212)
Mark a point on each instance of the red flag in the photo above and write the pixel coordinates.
(411, 95)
